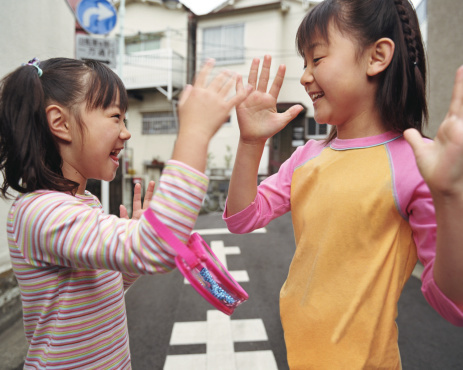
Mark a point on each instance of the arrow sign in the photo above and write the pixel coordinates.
(96, 16)
(101, 11)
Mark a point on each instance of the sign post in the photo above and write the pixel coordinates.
(97, 17)
(97, 48)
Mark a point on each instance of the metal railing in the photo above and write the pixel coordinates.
(161, 68)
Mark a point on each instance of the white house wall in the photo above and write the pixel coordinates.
(148, 147)
(31, 28)
(147, 18)
(265, 32)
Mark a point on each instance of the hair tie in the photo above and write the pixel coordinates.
(34, 62)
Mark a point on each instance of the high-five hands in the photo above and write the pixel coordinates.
(203, 108)
(205, 105)
(257, 115)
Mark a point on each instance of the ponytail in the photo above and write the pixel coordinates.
(29, 157)
(414, 64)
(29, 154)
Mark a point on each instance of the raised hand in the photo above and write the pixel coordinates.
(441, 161)
(441, 165)
(205, 106)
(257, 115)
(138, 209)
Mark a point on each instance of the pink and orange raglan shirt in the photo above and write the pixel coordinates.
(73, 267)
(362, 215)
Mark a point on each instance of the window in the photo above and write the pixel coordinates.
(159, 123)
(224, 43)
(142, 42)
(314, 129)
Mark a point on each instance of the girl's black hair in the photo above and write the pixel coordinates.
(29, 155)
(401, 94)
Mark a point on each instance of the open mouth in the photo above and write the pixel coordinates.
(316, 95)
(114, 155)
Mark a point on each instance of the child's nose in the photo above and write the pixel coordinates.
(125, 134)
(307, 77)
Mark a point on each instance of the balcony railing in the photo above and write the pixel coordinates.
(162, 69)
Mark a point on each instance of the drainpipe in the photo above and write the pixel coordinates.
(191, 53)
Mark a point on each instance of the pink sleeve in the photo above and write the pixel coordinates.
(273, 194)
(415, 203)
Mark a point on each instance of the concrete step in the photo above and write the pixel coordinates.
(13, 346)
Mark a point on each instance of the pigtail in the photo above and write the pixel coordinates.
(413, 91)
(29, 156)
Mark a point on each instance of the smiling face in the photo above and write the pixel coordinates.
(93, 153)
(336, 79)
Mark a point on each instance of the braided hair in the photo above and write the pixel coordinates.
(401, 94)
(413, 45)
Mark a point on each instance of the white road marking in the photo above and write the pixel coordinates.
(217, 246)
(418, 270)
(220, 231)
(219, 333)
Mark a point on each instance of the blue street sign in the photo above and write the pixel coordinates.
(96, 16)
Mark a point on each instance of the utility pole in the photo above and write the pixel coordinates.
(191, 52)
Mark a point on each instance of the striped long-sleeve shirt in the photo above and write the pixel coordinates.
(73, 262)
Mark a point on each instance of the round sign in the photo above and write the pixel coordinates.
(96, 16)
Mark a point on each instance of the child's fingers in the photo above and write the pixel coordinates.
(278, 81)
(264, 74)
(227, 86)
(123, 212)
(185, 94)
(201, 78)
(241, 94)
(136, 198)
(220, 81)
(149, 194)
(254, 72)
(239, 84)
(292, 112)
(456, 104)
(415, 139)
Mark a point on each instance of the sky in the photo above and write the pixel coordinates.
(200, 7)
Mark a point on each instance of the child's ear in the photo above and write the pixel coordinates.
(58, 119)
(381, 53)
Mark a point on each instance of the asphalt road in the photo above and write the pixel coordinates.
(160, 307)
(154, 304)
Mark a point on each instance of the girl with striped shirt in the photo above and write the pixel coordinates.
(62, 121)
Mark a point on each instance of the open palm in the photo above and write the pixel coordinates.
(441, 161)
(257, 114)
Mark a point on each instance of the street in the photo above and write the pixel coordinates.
(172, 327)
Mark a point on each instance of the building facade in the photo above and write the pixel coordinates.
(163, 49)
(29, 28)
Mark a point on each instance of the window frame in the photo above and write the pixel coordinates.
(317, 135)
(234, 54)
(156, 126)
